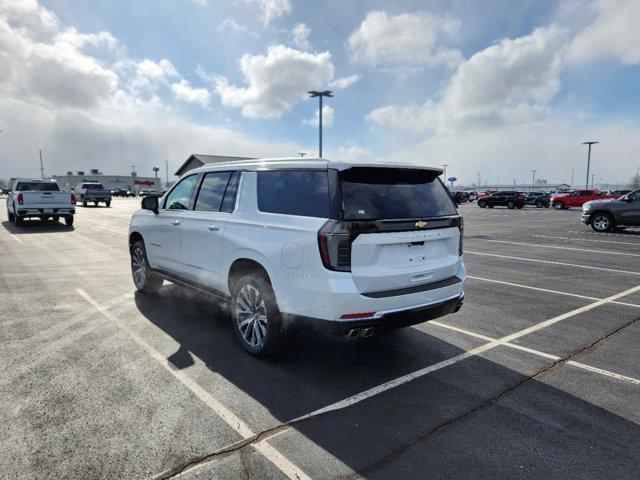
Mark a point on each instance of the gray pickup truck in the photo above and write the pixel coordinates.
(616, 213)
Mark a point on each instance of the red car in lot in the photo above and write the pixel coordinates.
(577, 198)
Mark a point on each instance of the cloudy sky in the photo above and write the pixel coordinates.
(490, 87)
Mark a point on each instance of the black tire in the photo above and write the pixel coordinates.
(149, 282)
(519, 206)
(10, 215)
(68, 220)
(482, 204)
(511, 205)
(18, 220)
(273, 331)
(108, 204)
(558, 205)
(539, 204)
(84, 203)
(602, 222)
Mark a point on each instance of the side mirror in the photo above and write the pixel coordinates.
(150, 202)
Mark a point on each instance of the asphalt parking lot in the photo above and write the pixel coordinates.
(537, 376)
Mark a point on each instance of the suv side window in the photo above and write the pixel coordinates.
(211, 191)
(294, 192)
(229, 200)
(178, 198)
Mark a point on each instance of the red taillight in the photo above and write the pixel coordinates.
(20, 198)
(334, 242)
(73, 199)
(353, 316)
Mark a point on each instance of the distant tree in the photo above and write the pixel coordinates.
(4, 183)
(635, 181)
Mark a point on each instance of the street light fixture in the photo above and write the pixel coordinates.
(533, 181)
(324, 93)
(588, 160)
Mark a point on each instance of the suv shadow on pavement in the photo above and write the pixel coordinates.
(36, 226)
(476, 418)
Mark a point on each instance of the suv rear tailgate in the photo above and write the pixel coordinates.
(396, 260)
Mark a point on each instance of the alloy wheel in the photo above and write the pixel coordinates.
(251, 315)
(601, 223)
(138, 267)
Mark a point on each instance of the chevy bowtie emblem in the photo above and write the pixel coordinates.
(421, 224)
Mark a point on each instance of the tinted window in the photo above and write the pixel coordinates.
(229, 201)
(93, 186)
(211, 191)
(387, 193)
(178, 199)
(37, 187)
(294, 192)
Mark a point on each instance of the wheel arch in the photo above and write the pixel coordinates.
(243, 265)
(134, 237)
(600, 212)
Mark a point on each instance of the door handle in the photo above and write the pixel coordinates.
(175, 222)
(214, 228)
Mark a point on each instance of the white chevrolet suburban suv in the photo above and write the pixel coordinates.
(334, 247)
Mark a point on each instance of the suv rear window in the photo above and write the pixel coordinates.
(391, 193)
(37, 187)
(93, 186)
(294, 192)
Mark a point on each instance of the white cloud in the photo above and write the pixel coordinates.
(344, 82)
(405, 40)
(271, 9)
(230, 26)
(300, 35)
(185, 92)
(615, 33)
(510, 82)
(80, 98)
(351, 153)
(275, 81)
(327, 117)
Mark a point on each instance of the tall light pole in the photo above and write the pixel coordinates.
(445, 165)
(533, 181)
(166, 172)
(324, 93)
(588, 159)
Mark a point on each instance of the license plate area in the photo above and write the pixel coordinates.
(417, 253)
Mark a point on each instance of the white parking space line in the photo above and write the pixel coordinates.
(609, 234)
(546, 290)
(462, 356)
(540, 354)
(550, 262)
(542, 245)
(275, 457)
(637, 244)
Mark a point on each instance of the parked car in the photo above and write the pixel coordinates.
(576, 198)
(605, 215)
(471, 195)
(122, 192)
(92, 192)
(147, 191)
(619, 193)
(306, 244)
(460, 197)
(486, 193)
(539, 199)
(35, 198)
(507, 198)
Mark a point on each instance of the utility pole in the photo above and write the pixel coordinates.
(166, 172)
(588, 159)
(478, 179)
(315, 93)
(533, 181)
(592, 177)
(41, 165)
(445, 165)
(572, 171)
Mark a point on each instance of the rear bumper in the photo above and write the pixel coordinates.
(42, 212)
(385, 321)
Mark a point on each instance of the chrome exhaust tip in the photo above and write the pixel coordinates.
(353, 333)
(367, 332)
